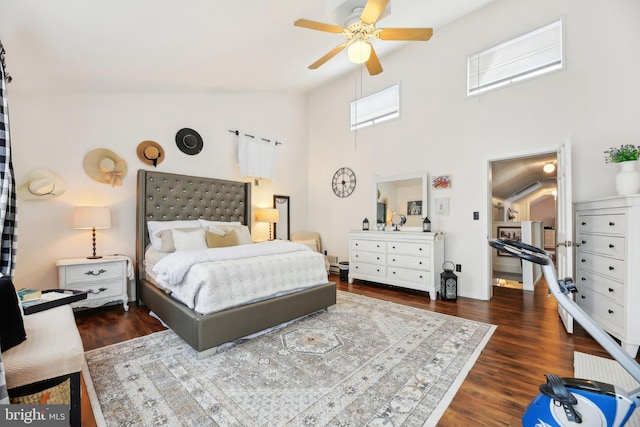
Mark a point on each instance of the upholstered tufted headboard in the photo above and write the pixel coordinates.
(167, 197)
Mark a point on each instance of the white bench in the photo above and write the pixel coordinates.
(53, 351)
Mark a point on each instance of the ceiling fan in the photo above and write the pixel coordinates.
(358, 29)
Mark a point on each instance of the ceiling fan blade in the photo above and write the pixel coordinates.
(373, 63)
(305, 23)
(336, 50)
(372, 11)
(413, 34)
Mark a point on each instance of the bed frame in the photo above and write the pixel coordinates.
(166, 197)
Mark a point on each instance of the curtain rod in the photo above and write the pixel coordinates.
(252, 136)
(7, 76)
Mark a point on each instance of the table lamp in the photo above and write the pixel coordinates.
(270, 215)
(92, 217)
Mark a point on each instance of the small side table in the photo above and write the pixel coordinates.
(104, 279)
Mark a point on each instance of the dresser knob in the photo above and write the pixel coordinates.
(611, 224)
(378, 258)
(357, 244)
(419, 249)
(610, 311)
(611, 268)
(394, 272)
(394, 260)
(610, 289)
(393, 247)
(584, 242)
(357, 256)
(583, 297)
(420, 263)
(611, 245)
(584, 223)
(583, 279)
(583, 260)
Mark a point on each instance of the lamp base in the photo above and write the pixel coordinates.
(94, 257)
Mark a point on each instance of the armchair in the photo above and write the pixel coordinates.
(312, 240)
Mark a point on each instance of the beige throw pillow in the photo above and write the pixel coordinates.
(215, 240)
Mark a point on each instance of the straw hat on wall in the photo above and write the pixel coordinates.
(105, 166)
(41, 184)
(150, 153)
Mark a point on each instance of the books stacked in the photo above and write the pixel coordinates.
(29, 297)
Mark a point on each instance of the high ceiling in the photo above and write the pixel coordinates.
(188, 45)
(513, 179)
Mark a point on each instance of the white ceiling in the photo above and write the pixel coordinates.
(188, 45)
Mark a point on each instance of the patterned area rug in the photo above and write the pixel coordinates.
(363, 362)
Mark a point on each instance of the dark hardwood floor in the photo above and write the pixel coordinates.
(528, 342)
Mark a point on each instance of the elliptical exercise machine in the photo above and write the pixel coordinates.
(573, 401)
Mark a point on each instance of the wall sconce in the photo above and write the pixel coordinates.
(270, 215)
(549, 167)
(92, 217)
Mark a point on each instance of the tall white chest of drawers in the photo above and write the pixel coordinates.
(608, 266)
(401, 258)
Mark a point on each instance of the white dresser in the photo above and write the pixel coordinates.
(402, 258)
(607, 265)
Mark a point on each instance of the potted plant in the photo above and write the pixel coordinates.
(626, 153)
(628, 179)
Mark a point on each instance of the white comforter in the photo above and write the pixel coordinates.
(216, 279)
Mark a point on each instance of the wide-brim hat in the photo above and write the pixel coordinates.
(105, 166)
(41, 184)
(189, 141)
(150, 153)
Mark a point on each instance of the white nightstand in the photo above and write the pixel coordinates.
(105, 279)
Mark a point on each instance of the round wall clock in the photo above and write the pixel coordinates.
(344, 182)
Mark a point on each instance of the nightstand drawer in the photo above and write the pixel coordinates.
(601, 285)
(112, 288)
(358, 268)
(609, 224)
(407, 261)
(610, 267)
(93, 273)
(368, 245)
(409, 248)
(612, 246)
(418, 279)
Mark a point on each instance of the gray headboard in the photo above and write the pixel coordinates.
(166, 197)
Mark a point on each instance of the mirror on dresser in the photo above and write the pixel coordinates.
(404, 195)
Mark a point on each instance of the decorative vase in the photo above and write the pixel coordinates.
(628, 179)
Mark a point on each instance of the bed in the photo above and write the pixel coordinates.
(171, 197)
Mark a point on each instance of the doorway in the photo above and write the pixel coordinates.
(523, 193)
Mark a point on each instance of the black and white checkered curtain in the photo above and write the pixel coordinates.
(8, 220)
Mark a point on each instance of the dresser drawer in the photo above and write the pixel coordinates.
(368, 245)
(601, 285)
(418, 279)
(408, 261)
(409, 248)
(606, 223)
(603, 310)
(93, 273)
(606, 245)
(610, 267)
(369, 257)
(359, 268)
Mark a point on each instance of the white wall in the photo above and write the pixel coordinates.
(442, 131)
(56, 131)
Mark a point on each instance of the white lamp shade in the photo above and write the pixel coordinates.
(270, 215)
(359, 52)
(91, 217)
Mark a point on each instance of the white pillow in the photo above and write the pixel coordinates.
(155, 226)
(311, 244)
(189, 240)
(204, 223)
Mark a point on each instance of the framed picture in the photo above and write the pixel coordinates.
(414, 207)
(442, 206)
(441, 182)
(512, 233)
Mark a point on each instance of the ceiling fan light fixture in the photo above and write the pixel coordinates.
(359, 52)
(549, 167)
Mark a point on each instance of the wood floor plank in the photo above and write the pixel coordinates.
(529, 341)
